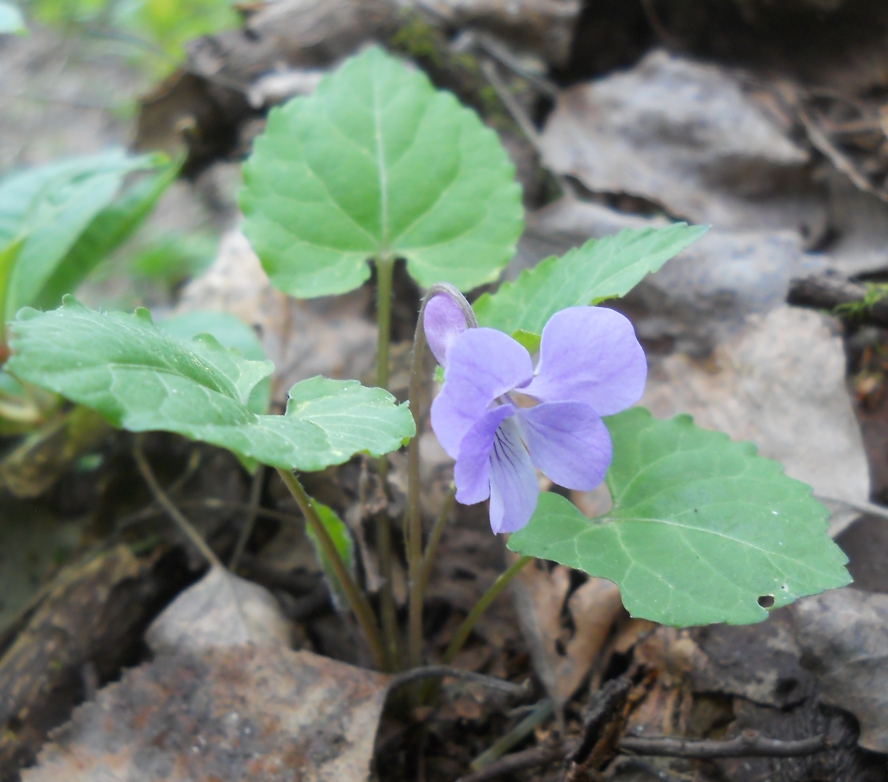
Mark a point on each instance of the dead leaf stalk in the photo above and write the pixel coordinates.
(250, 520)
(488, 68)
(174, 513)
(211, 503)
(428, 558)
(481, 606)
(864, 507)
(357, 600)
(517, 761)
(447, 671)
(748, 744)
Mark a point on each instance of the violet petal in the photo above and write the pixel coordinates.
(591, 355)
(568, 442)
(442, 321)
(482, 364)
(513, 483)
(471, 474)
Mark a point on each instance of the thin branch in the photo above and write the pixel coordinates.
(481, 606)
(447, 671)
(174, 513)
(650, 12)
(838, 158)
(211, 503)
(488, 68)
(521, 731)
(517, 761)
(864, 507)
(250, 520)
(490, 46)
(747, 744)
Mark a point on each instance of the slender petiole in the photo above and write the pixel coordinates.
(356, 598)
(481, 606)
(384, 271)
(417, 566)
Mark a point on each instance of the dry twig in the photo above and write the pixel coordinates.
(747, 744)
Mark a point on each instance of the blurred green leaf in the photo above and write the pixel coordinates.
(108, 231)
(171, 258)
(342, 539)
(48, 209)
(11, 20)
(168, 24)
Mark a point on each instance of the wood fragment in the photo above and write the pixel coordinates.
(828, 292)
(747, 744)
(87, 623)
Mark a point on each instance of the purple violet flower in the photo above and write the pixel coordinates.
(590, 365)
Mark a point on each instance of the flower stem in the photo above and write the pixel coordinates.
(418, 567)
(480, 607)
(385, 266)
(356, 598)
(412, 516)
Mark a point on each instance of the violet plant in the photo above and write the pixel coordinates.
(376, 166)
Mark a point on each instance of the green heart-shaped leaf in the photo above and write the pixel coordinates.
(377, 163)
(701, 527)
(141, 378)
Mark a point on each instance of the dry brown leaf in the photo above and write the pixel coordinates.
(540, 27)
(757, 662)
(684, 135)
(226, 715)
(667, 707)
(844, 638)
(561, 658)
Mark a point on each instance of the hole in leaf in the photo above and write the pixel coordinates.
(766, 601)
